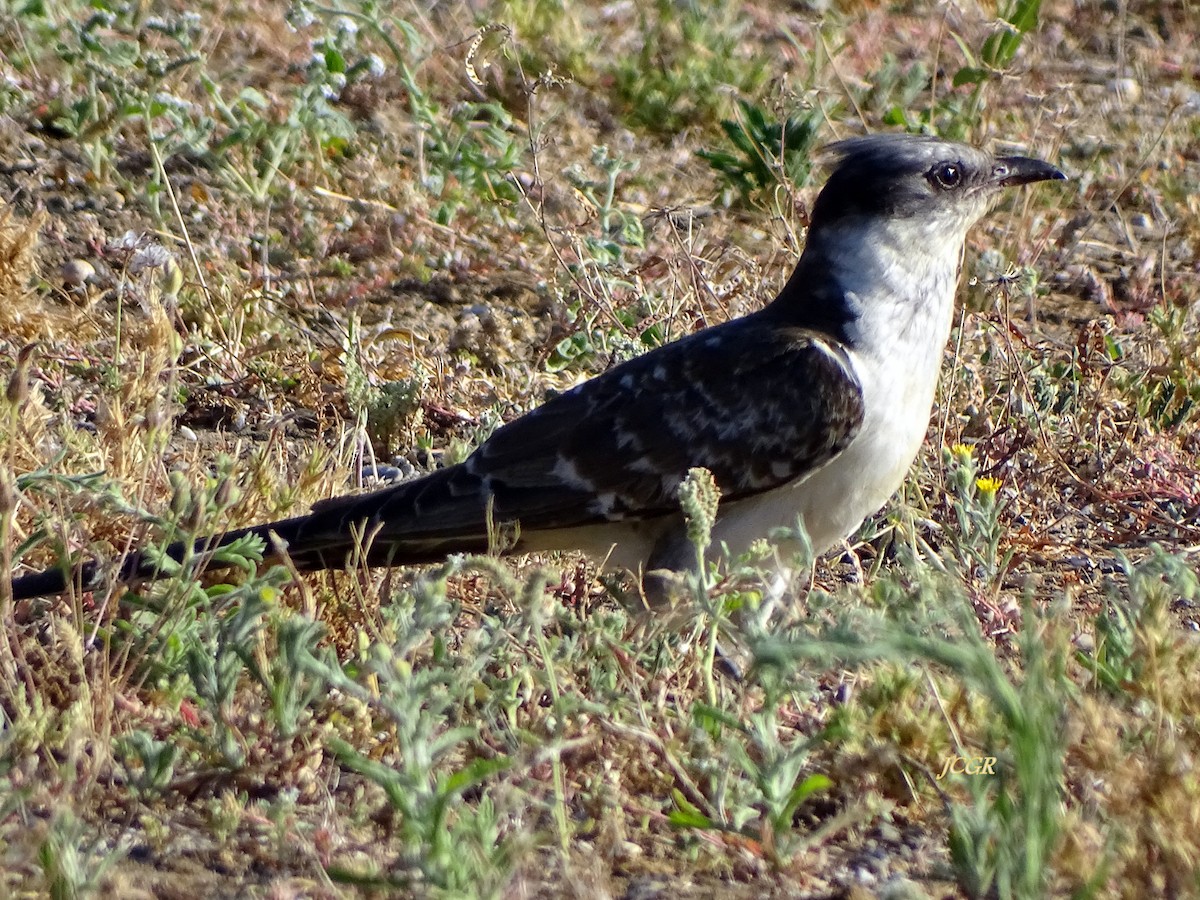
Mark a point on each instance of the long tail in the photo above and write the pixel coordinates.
(407, 524)
(90, 575)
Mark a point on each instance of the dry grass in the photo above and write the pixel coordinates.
(238, 262)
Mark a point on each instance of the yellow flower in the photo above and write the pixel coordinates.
(987, 486)
(962, 453)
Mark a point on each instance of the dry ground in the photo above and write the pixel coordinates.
(248, 249)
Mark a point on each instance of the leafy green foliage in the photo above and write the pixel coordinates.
(1133, 627)
(462, 155)
(455, 849)
(620, 230)
(757, 777)
(1169, 395)
(72, 861)
(765, 153)
(1002, 838)
(976, 540)
(689, 56)
(598, 325)
(1000, 48)
(896, 89)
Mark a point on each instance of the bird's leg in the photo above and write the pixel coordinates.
(776, 589)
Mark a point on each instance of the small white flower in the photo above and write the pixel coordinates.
(300, 16)
(152, 256)
(127, 242)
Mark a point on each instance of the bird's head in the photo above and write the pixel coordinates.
(940, 188)
(886, 236)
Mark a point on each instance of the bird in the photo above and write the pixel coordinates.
(809, 410)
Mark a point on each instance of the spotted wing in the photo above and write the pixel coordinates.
(757, 403)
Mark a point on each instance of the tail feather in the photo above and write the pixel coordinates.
(48, 583)
(89, 575)
(383, 528)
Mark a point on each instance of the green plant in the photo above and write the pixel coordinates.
(554, 34)
(592, 339)
(150, 763)
(1002, 840)
(1002, 837)
(258, 144)
(690, 55)
(388, 410)
(1133, 626)
(454, 849)
(460, 156)
(758, 778)
(119, 70)
(1167, 395)
(599, 325)
(1017, 19)
(620, 230)
(72, 865)
(976, 540)
(895, 89)
(765, 153)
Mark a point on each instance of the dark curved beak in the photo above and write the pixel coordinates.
(1013, 170)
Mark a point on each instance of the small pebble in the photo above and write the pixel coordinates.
(381, 472)
(1126, 89)
(77, 272)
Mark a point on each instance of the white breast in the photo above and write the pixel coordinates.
(899, 345)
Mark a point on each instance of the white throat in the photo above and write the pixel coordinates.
(902, 301)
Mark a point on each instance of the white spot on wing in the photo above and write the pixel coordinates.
(568, 473)
(604, 504)
(627, 439)
(643, 464)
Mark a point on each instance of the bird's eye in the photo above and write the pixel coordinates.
(947, 175)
